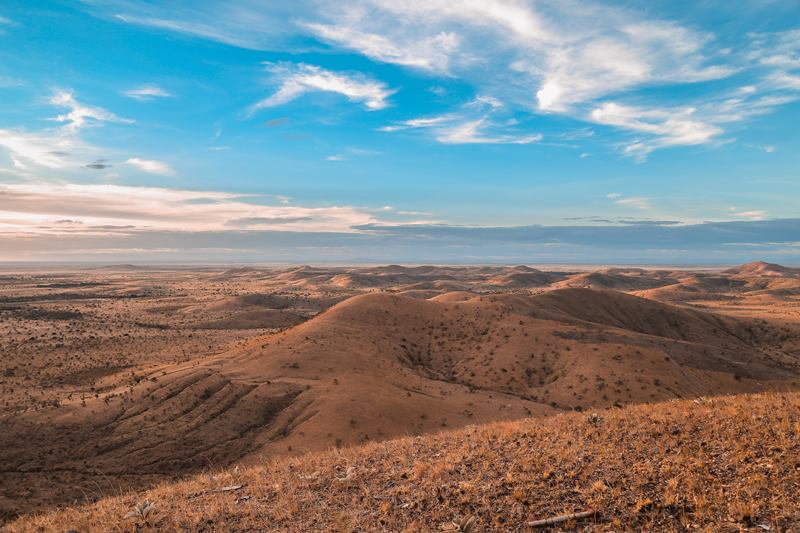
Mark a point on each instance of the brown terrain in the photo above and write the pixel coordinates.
(123, 377)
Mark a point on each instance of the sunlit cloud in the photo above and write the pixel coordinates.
(123, 209)
(754, 214)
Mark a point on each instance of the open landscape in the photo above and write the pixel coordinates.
(419, 266)
(127, 377)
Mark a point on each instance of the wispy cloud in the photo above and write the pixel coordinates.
(49, 149)
(474, 123)
(6, 22)
(754, 214)
(81, 115)
(665, 127)
(296, 79)
(147, 92)
(246, 24)
(351, 152)
(9, 82)
(428, 53)
(637, 202)
(151, 166)
(58, 147)
(575, 58)
(564, 55)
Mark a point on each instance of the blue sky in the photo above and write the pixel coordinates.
(415, 131)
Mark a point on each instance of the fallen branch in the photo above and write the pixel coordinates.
(561, 519)
(228, 488)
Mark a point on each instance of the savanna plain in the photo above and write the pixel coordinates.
(399, 398)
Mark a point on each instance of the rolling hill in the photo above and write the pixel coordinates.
(378, 366)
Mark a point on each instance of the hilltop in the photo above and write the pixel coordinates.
(723, 464)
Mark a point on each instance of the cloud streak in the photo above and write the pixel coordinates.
(81, 115)
(147, 92)
(297, 79)
(36, 206)
(474, 123)
(276, 239)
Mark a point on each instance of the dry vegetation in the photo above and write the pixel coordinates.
(722, 464)
(121, 378)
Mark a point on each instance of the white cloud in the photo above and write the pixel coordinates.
(147, 92)
(637, 202)
(36, 207)
(563, 54)
(430, 53)
(472, 124)
(776, 49)
(784, 80)
(755, 214)
(569, 57)
(471, 132)
(567, 53)
(247, 24)
(151, 166)
(668, 127)
(350, 152)
(81, 115)
(61, 147)
(49, 149)
(297, 79)
(613, 195)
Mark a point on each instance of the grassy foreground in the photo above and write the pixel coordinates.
(712, 464)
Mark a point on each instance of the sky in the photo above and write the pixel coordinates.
(471, 131)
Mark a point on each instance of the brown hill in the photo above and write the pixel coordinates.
(523, 277)
(378, 366)
(620, 279)
(725, 464)
(260, 319)
(761, 268)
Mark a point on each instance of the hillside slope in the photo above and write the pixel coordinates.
(378, 366)
(723, 464)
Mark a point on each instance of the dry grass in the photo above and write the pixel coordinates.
(724, 464)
